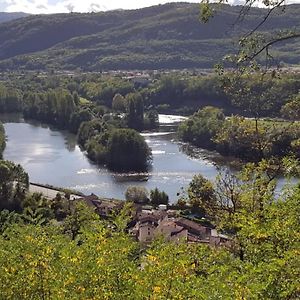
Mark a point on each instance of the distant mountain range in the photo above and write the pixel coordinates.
(5, 17)
(164, 36)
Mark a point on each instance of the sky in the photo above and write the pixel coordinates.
(57, 6)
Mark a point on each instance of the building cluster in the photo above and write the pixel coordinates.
(154, 223)
(148, 223)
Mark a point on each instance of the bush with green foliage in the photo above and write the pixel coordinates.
(201, 195)
(291, 110)
(90, 129)
(14, 183)
(158, 197)
(201, 128)
(127, 150)
(151, 120)
(254, 140)
(137, 194)
(135, 111)
(119, 103)
(77, 118)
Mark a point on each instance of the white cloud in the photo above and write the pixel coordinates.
(43, 6)
(46, 6)
(52, 6)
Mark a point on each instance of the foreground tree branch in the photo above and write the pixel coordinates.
(266, 17)
(272, 42)
(253, 43)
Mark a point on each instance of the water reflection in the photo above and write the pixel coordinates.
(52, 157)
(70, 139)
(213, 156)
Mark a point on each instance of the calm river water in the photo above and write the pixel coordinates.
(53, 157)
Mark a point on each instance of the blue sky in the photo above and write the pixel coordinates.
(54, 6)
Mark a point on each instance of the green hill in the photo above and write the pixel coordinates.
(5, 17)
(163, 36)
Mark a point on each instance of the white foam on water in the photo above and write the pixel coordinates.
(156, 133)
(157, 152)
(86, 171)
(89, 186)
(170, 119)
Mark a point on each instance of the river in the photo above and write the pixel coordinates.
(53, 157)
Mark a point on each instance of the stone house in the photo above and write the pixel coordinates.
(169, 229)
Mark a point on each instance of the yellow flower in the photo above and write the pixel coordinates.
(81, 289)
(156, 289)
(48, 250)
(74, 259)
(100, 261)
(28, 238)
(151, 258)
(28, 256)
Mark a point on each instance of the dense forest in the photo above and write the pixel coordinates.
(160, 37)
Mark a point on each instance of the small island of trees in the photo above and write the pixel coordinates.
(121, 149)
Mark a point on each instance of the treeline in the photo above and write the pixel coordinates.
(247, 139)
(261, 94)
(84, 256)
(179, 93)
(54, 107)
(256, 96)
(67, 102)
(10, 99)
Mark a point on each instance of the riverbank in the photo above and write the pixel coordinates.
(52, 157)
(245, 139)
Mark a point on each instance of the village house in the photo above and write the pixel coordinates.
(138, 79)
(151, 224)
(169, 229)
(196, 232)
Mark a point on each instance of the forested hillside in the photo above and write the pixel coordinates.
(164, 36)
(5, 17)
